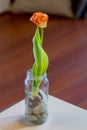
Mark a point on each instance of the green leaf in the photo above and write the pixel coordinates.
(38, 37)
(37, 56)
(41, 61)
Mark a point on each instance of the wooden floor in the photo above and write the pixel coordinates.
(65, 41)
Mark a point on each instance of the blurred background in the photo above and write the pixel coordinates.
(65, 42)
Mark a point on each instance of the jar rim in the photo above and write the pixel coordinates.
(29, 74)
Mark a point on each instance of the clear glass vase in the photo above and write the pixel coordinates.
(36, 106)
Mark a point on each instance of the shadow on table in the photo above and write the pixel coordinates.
(14, 122)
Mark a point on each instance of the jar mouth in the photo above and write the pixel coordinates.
(30, 75)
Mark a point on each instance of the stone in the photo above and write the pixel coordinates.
(30, 111)
(31, 118)
(39, 109)
(34, 100)
(42, 117)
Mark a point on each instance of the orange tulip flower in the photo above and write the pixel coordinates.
(40, 19)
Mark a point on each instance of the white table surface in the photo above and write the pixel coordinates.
(62, 116)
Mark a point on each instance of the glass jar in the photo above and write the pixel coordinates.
(36, 106)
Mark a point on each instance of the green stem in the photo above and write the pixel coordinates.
(35, 87)
(35, 90)
(42, 35)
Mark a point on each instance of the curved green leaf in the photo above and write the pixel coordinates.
(41, 61)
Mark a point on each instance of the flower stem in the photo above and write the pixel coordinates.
(42, 35)
(35, 87)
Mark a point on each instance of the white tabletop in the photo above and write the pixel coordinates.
(62, 116)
